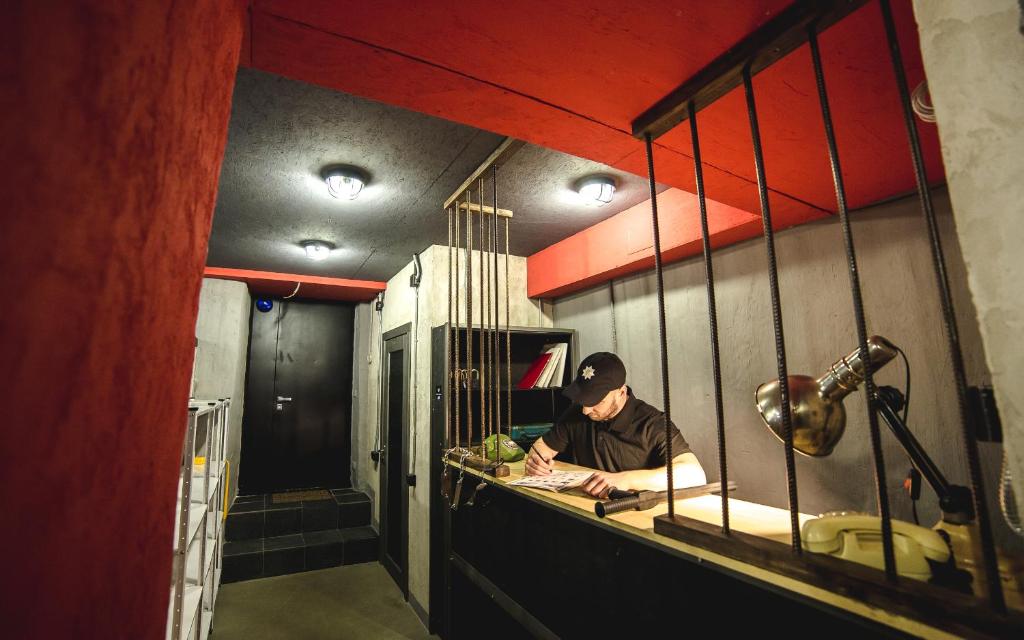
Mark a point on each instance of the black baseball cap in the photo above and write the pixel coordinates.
(598, 374)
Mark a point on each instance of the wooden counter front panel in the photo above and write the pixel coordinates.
(584, 581)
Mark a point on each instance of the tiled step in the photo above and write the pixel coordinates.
(255, 517)
(279, 555)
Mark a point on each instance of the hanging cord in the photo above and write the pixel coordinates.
(906, 392)
(294, 291)
(414, 282)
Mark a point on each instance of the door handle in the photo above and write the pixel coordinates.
(283, 399)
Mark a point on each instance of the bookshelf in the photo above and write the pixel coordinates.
(529, 406)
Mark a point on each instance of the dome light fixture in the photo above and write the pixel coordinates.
(344, 182)
(596, 190)
(317, 249)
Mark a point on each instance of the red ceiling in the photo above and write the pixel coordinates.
(572, 75)
(317, 287)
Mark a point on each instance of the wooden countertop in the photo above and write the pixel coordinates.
(748, 517)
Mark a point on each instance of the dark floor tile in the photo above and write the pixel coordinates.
(360, 545)
(242, 547)
(283, 542)
(246, 507)
(246, 566)
(317, 516)
(327, 536)
(282, 522)
(353, 514)
(324, 549)
(281, 506)
(283, 561)
(244, 526)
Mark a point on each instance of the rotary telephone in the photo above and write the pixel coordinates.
(857, 537)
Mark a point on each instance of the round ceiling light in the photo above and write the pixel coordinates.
(596, 191)
(344, 182)
(317, 249)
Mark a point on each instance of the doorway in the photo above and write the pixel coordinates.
(394, 459)
(296, 429)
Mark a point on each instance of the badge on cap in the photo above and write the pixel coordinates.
(588, 373)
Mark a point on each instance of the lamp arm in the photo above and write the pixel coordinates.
(954, 500)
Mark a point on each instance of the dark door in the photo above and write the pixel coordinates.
(296, 431)
(394, 529)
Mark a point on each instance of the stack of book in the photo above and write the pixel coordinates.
(548, 370)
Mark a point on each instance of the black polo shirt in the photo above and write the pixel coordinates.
(633, 439)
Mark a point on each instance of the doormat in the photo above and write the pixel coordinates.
(299, 496)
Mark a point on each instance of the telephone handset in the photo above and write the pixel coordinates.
(858, 537)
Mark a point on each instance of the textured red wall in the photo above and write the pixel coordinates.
(115, 120)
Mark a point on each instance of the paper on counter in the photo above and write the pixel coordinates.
(557, 481)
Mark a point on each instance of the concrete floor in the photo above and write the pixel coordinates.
(354, 601)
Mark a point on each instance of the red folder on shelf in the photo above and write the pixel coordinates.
(534, 372)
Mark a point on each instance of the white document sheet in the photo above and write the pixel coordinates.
(557, 481)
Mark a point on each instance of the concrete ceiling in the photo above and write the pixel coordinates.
(271, 197)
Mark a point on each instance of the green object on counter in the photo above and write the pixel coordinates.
(529, 431)
(510, 451)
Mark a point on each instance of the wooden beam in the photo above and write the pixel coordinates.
(475, 208)
(498, 157)
(773, 41)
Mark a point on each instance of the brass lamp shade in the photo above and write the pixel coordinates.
(816, 405)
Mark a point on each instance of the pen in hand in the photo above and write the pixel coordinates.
(540, 470)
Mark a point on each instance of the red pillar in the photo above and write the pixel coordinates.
(113, 128)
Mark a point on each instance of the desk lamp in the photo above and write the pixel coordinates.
(819, 419)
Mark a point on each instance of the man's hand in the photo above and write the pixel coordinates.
(537, 464)
(601, 482)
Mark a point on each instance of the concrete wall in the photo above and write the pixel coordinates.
(901, 303)
(399, 308)
(222, 329)
(974, 57)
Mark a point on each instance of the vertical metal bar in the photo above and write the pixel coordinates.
(780, 341)
(496, 351)
(508, 339)
(448, 346)
(469, 321)
(881, 489)
(185, 496)
(709, 278)
(663, 338)
(456, 375)
(484, 313)
(988, 551)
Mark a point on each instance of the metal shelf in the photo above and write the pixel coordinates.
(197, 566)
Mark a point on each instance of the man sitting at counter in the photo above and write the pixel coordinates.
(609, 430)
